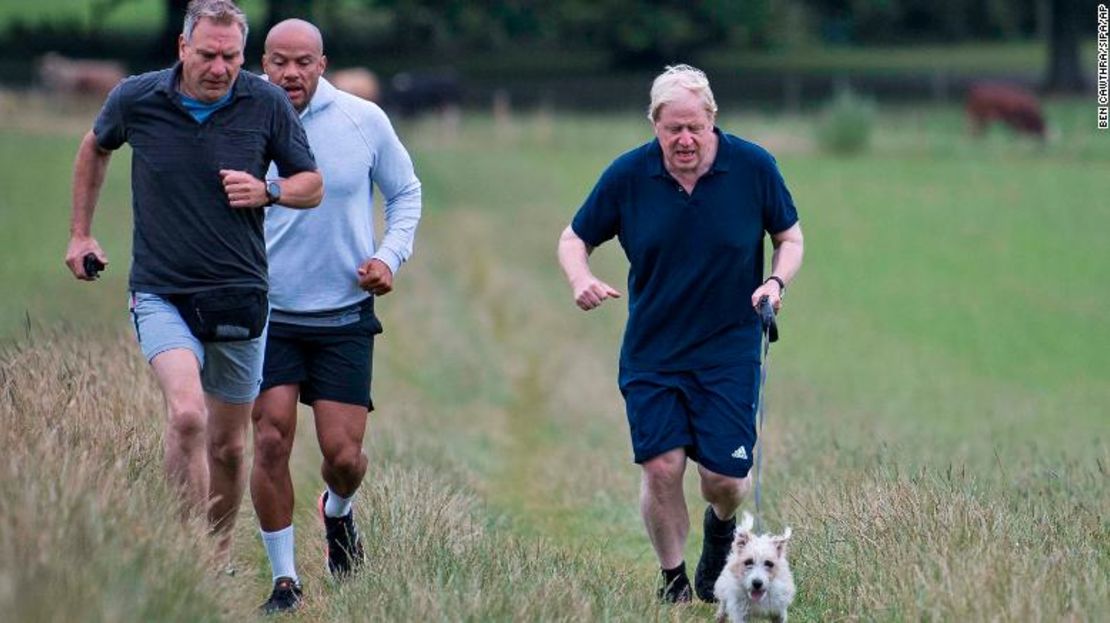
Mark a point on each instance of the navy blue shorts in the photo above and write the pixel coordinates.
(327, 363)
(710, 413)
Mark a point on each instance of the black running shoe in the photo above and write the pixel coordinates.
(344, 551)
(286, 597)
(714, 553)
(677, 591)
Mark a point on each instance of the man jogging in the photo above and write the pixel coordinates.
(325, 271)
(202, 136)
(691, 209)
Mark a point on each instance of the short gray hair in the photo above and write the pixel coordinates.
(666, 87)
(219, 11)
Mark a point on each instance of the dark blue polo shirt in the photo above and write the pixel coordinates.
(694, 259)
(187, 237)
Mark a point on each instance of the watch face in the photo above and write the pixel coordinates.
(273, 189)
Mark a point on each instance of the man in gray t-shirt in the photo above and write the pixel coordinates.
(202, 136)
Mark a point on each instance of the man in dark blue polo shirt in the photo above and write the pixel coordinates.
(202, 136)
(691, 209)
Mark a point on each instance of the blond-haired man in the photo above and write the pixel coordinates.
(691, 209)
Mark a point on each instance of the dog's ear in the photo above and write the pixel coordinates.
(743, 532)
(781, 541)
(740, 541)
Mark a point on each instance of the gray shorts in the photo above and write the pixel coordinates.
(230, 371)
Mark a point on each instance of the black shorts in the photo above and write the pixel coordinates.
(709, 412)
(327, 363)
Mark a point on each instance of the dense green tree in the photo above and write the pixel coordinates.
(650, 32)
(907, 21)
(639, 32)
(171, 27)
(278, 10)
(1064, 74)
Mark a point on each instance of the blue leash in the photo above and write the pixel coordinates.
(770, 334)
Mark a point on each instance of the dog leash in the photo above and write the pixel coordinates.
(770, 331)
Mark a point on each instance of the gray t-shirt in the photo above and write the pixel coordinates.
(187, 237)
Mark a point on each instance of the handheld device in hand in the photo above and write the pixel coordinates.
(93, 266)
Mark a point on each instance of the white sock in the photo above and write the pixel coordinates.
(337, 506)
(279, 548)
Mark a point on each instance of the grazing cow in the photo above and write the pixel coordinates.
(357, 81)
(414, 93)
(72, 77)
(1014, 106)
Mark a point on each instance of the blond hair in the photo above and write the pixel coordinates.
(675, 78)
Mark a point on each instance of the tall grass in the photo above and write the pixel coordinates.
(89, 531)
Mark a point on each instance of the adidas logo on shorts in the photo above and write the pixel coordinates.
(740, 453)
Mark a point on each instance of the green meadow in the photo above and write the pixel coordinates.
(937, 431)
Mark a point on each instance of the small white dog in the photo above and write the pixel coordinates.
(756, 581)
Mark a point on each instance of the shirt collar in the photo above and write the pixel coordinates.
(325, 94)
(720, 162)
(724, 152)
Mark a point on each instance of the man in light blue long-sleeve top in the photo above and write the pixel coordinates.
(325, 272)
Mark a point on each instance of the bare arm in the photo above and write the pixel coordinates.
(786, 260)
(302, 190)
(89, 170)
(574, 257)
(298, 191)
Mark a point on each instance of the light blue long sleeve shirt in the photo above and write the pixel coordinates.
(314, 254)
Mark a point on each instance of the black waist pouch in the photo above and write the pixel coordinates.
(224, 314)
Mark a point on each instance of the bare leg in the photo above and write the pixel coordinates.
(227, 437)
(339, 429)
(178, 375)
(275, 426)
(724, 493)
(663, 506)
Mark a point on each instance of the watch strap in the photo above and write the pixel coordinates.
(777, 279)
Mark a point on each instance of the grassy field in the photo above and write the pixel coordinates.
(937, 430)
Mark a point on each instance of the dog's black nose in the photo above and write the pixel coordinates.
(757, 584)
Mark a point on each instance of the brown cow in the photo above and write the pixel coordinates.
(1014, 106)
(72, 77)
(357, 81)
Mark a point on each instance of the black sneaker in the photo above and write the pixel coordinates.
(344, 551)
(286, 597)
(677, 591)
(714, 553)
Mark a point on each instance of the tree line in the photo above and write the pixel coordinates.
(646, 33)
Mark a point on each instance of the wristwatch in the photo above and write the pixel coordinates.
(782, 284)
(273, 192)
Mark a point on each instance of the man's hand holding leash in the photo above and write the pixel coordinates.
(785, 262)
(774, 289)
